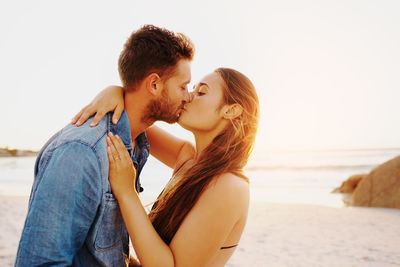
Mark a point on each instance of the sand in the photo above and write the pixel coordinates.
(277, 235)
(12, 217)
(310, 235)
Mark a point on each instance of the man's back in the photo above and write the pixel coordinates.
(73, 219)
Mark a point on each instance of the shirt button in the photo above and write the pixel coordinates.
(141, 189)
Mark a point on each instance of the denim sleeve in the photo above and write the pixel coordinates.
(63, 207)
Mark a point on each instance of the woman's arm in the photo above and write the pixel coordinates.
(205, 229)
(109, 99)
(170, 150)
(144, 237)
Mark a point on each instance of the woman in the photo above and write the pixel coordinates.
(199, 217)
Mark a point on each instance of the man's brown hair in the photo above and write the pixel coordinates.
(152, 49)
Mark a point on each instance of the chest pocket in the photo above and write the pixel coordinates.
(109, 233)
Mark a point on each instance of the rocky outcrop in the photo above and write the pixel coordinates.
(6, 152)
(350, 184)
(379, 188)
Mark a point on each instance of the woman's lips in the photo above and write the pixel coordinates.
(181, 110)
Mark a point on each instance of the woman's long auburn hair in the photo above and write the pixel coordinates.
(228, 152)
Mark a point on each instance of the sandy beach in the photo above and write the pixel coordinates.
(277, 235)
(12, 216)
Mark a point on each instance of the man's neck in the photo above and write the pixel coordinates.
(135, 107)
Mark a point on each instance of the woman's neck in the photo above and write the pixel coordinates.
(204, 138)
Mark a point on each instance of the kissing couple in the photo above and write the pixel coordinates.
(84, 205)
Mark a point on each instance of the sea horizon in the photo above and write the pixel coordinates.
(305, 177)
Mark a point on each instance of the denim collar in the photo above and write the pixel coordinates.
(123, 129)
(138, 155)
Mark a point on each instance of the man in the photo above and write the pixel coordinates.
(73, 218)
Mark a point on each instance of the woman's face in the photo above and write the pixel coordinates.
(204, 113)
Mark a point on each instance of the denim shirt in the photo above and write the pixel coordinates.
(73, 218)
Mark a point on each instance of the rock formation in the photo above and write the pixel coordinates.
(350, 184)
(379, 188)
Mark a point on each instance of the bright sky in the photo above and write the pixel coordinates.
(327, 72)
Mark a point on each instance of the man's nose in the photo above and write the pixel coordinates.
(191, 96)
(187, 97)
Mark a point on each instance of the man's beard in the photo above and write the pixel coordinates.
(161, 109)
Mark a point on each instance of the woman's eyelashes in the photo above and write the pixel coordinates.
(199, 90)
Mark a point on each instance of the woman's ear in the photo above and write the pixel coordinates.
(154, 84)
(233, 111)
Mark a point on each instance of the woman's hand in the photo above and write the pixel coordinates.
(110, 99)
(122, 173)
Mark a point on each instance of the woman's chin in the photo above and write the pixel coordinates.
(181, 122)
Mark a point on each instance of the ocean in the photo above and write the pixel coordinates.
(305, 177)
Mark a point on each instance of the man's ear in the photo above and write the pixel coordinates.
(233, 111)
(154, 84)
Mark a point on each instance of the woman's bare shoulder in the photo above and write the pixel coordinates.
(229, 189)
(231, 182)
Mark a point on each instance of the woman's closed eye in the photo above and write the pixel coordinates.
(200, 89)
